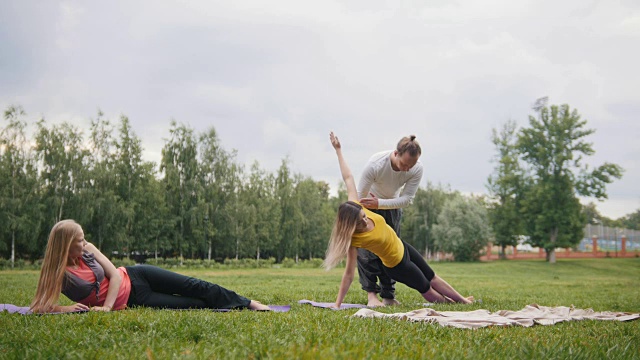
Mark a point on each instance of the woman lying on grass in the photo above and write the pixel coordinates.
(79, 270)
(358, 227)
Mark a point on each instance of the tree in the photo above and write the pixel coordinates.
(632, 221)
(221, 181)
(505, 188)
(106, 205)
(63, 171)
(228, 177)
(290, 214)
(591, 214)
(259, 194)
(19, 206)
(143, 217)
(462, 228)
(315, 227)
(419, 218)
(554, 146)
(180, 166)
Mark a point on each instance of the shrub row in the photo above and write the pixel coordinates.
(21, 264)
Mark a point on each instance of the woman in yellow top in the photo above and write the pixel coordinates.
(357, 227)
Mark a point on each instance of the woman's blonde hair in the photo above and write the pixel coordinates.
(54, 265)
(343, 229)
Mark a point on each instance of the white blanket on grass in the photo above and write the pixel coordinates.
(530, 315)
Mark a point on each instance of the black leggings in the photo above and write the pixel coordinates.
(412, 271)
(159, 288)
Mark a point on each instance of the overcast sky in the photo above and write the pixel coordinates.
(274, 77)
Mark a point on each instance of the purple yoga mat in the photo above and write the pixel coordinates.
(24, 310)
(274, 308)
(327, 305)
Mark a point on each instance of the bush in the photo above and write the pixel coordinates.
(288, 263)
(123, 262)
(312, 263)
(249, 263)
(19, 264)
(155, 262)
(210, 264)
(234, 263)
(172, 262)
(462, 229)
(266, 263)
(193, 263)
(168, 263)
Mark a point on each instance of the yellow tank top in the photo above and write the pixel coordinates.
(382, 241)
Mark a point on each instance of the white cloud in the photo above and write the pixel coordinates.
(631, 25)
(274, 77)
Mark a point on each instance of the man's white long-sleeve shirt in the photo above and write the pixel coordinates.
(394, 189)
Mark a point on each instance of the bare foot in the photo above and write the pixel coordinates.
(469, 299)
(373, 300)
(390, 302)
(257, 305)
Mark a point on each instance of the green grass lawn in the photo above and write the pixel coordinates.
(313, 333)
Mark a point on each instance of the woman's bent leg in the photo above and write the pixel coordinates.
(441, 286)
(416, 258)
(414, 272)
(435, 297)
(409, 274)
(443, 291)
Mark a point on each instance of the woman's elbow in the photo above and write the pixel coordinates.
(115, 278)
(349, 277)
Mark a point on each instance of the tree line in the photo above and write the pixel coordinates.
(199, 202)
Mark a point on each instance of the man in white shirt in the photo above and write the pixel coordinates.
(388, 183)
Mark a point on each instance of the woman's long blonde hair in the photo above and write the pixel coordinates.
(54, 265)
(343, 229)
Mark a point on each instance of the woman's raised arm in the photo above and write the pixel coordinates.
(347, 176)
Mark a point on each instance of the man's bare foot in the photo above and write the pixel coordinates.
(257, 305)
(373, 300)
(470, 300)
(390, 302)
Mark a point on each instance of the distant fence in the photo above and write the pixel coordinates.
(598, 241)
(609, 239)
